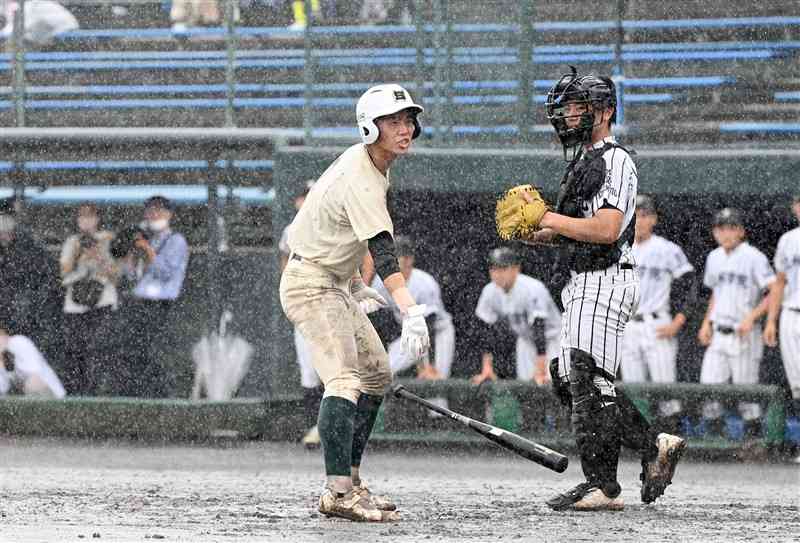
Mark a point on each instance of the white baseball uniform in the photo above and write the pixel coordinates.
(738, 280)
(659, 262)
(527, 301)
(308, 375)
(787, 261)
(598, 303)
(425, 290)
(29, 363)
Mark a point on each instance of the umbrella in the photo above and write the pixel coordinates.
(221, 362)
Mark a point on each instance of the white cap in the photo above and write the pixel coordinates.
(383, 100)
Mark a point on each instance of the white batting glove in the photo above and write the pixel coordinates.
(371, 297)
(415, 341)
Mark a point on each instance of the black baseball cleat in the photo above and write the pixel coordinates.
(657, 472)
(589, 497)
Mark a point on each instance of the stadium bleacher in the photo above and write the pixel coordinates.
(671, 69)
(717, 74)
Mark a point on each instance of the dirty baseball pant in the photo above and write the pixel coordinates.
(346, 351)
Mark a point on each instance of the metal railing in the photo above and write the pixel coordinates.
(432, 50)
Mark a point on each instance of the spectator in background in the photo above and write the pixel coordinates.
(44, 20)
(28, 280)
(157, 265)
(24, 369)
(299, 14)
(388, 11)
(189, 13)
(89, 276)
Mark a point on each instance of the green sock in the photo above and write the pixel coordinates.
(335, 426)
(366, 413)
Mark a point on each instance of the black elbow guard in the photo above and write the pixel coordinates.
(381, 246)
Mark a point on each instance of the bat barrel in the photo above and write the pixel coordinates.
(527, 449)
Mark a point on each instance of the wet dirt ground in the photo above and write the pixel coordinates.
(62, 490)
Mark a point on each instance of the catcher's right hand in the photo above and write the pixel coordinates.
(517, 217)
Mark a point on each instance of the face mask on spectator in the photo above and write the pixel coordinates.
(87, 224)
(7, 223)
(158, 225)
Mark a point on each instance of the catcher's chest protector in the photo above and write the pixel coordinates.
(584, 179)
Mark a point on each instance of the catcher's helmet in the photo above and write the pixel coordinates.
(594, 91)
(728, 216)
(503, 257)
(384, 100)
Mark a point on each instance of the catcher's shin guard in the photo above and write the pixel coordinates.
(560, 385)
(595, 426)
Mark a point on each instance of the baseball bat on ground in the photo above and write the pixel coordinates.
(509, 440)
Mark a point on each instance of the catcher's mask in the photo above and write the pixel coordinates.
(594, 92)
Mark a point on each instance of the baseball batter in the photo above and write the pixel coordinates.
(785, 300)
(309, 380)
(593, 223)
(343, 217)
(520, 323)
(426, 291)
(667, 286)
(738, 275)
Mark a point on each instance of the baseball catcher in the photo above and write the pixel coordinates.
(593, 224)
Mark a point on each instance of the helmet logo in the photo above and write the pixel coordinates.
(399, 96)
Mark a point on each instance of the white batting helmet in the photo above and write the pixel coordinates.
(379, 101)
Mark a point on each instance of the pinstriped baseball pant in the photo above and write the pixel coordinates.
(597, 307)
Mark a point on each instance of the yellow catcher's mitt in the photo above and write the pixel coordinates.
(516, 218)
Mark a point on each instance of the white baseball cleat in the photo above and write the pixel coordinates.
(596, 500)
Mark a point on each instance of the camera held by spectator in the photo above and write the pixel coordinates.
(126, 239)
